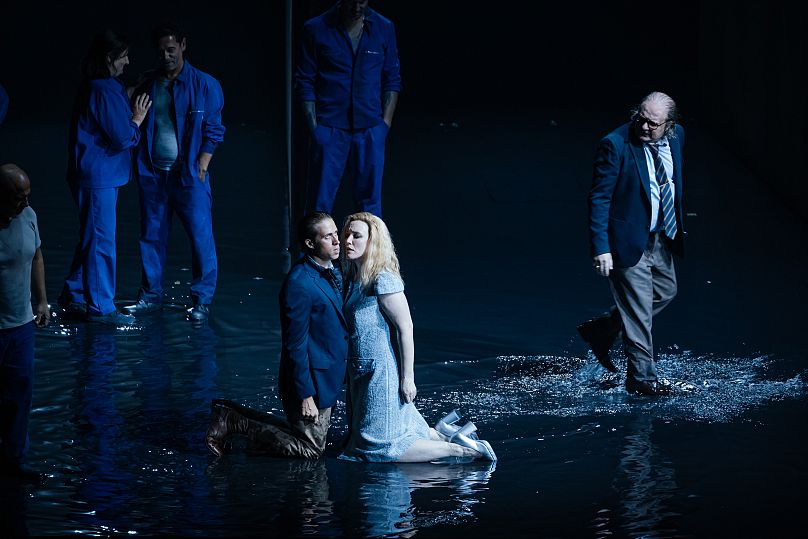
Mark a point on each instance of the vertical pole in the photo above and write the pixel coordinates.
(287, 254)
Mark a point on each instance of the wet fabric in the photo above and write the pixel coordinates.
(382, 427)
(164, 150)
(301, 438)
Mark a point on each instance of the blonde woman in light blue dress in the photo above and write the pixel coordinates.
(385, 425)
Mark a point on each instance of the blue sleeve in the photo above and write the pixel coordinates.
(296, 309)
(212, 128)
(388, 283)
(306, 72)
(607, 168)
(110, 110)
(391, 75)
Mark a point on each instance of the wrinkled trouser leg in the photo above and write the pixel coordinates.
(328, 157)
(92, 273)
(640, 293)
(193, 205)
(155, 225)
(366, 168)
(303, 439)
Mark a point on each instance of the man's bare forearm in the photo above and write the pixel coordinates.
(310, 113)
(389, 102)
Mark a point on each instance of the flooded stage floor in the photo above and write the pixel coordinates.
(491, 228)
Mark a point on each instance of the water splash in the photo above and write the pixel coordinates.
(709, 388)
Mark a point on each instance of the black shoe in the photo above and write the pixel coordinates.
(651, 389)
(198, 313)
(112, 319)
(20, 472)
(600, 334)
(142, 307)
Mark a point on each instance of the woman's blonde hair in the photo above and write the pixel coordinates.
(380, 254)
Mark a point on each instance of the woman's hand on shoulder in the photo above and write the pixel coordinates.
(407, 390)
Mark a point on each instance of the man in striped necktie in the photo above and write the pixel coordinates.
(636, 225)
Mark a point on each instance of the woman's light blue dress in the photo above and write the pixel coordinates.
(382, 426)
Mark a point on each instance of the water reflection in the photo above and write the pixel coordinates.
(102, 481)
(381, 499)
(333, 498)
(646, 487)
(175, 372)
(648, 483)
(138, 406)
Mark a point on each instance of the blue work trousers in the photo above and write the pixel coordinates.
(92, 273)
(160, 198)
(16, 384)
(356, 154)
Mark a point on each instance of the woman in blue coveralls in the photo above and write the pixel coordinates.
(103, 130)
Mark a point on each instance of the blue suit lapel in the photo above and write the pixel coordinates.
(642, 167)
(328, 291)
(676, 155)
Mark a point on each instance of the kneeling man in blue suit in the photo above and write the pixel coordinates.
(313, 357)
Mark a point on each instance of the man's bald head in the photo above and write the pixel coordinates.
(15, 188)
(12, 176)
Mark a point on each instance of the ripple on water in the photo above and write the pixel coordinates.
(709, 388)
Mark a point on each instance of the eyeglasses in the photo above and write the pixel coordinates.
(640, 119)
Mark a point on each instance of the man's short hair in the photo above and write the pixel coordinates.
(167, 29)
(307, 227)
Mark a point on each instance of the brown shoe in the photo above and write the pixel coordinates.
(217, 431)
(651, 389)
(223, 423)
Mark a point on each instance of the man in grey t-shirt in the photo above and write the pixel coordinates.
(22, 271)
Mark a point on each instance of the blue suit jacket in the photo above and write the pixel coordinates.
(620, 198)
(314, 338)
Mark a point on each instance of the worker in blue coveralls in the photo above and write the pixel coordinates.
(348, 81)
(178, 140)
(104, 128)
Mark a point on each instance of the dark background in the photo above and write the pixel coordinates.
(488, 166)
(513, 57)
(733, 66)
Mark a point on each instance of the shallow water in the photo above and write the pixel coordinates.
(119, 414)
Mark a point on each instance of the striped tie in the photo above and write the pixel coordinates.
(665, 195)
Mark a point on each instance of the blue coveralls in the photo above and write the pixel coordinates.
(198, 102)
(347, 90)
(101, 138)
